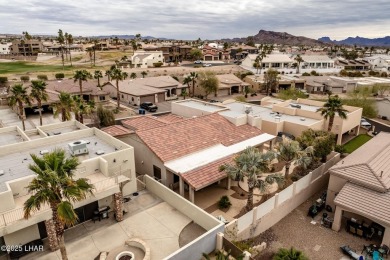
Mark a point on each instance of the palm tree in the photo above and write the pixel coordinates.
(193, 76)
(187, 81)
(81, 108)
(332, 107)
(38, 93)
(19, 97)
(98, 75)
(56, 186)
(144, 73)
(251, 164)
(69, 39)
(299, 60)
(64, 107)
(108, 74)
(289, 151)
(61, 41)
(118, 75)
(80, 76)
(133, 75)
(259, 60)
(289, 254)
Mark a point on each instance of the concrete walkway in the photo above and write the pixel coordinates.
(148, 218)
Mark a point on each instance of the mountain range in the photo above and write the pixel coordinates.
(271, 37)
(385, 41)
(128, 37)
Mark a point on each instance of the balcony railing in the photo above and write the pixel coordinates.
(8, 218)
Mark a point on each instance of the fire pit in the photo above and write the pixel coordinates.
(125, 255)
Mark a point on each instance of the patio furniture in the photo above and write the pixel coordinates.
(376, 256)
(348, 251)
(100, 213)
(384, 250)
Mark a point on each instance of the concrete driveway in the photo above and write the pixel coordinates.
(148, 218)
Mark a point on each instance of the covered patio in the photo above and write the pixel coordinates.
(366, 212)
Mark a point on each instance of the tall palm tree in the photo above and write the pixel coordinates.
(98, 75)
(289, 151)
(64, 107)
(80, 76)
(19, 97)
(38, 93)
(193, 76)
(61, 41)
(332, 107)
(260, 58)
(289, 254)
(55, 185)
(118, 75)
(299, 60)
(251, 164)
(108, 74)
(69, 39)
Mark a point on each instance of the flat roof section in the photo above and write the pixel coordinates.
(15, 165)
(208, 107)
(10, 137)
(266, 113)
(307, 107)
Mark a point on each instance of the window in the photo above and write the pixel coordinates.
(102, 98)
(156, 172)
(123, 96)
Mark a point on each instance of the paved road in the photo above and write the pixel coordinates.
(205, 62)
(379, 126)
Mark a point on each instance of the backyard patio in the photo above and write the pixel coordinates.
(315, 240)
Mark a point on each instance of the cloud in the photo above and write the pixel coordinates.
(191, 19)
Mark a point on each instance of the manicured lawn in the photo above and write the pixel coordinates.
(16, 67)
(356, 143)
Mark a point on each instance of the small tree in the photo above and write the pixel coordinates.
(25, 78)
(144, 73)
(38, 93)
(18, 96)
(133, 75)
(289, 151)
(251, 164)
(209, 82)
(106, 117)
(323, 142)
(42, 77)
(196, 54)
(299, 60)
(271, 80)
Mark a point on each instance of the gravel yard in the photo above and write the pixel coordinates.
(316, 241)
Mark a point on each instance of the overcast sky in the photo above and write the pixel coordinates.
(190, 19)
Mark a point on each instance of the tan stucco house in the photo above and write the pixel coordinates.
(359, 187)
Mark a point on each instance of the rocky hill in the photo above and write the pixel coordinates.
(271, 37)
(361, 41)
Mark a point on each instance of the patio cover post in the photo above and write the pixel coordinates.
(192, 195)
(386, 236)
(181, 186)
(229, 181)
(337, 219)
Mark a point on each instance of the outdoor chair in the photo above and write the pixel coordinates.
(384, 250)
(376, 256)
(359, 232)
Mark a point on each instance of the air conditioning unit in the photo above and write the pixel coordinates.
(78, 147)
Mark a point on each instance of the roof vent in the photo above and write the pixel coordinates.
(303, 119)
(1, 172)
(78, 147)
(99, 152)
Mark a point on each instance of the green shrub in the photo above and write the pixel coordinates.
(42, 77)
(305, 74)
(157, 64)
(291, 93)
(24, 78)
(3, 80)
(291, 254)
(106, 117)
(314, 73)
(59, 75)
(224, 202)
(339, 148)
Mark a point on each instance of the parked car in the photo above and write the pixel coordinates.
(364, 123)
(149, 106)
(198, 62)
(214, 101)
(207, 65)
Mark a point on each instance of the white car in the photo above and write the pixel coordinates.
(364, 123)
(198, 62)
(207, 65)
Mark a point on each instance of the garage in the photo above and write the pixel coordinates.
(149, 98)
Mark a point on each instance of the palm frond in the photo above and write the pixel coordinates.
(66, 213)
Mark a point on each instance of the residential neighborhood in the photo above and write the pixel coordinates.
(166, 132)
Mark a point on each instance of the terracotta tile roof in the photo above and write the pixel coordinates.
(369, 165)
(143, 123)
(366, 202)
(172, 141)
(116, 130)
(170, 118)
(206, 175)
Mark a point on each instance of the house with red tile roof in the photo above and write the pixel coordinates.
(187, 152)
